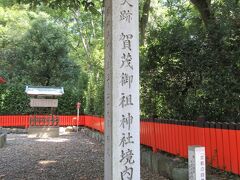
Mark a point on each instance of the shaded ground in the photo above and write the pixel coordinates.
(72, 156)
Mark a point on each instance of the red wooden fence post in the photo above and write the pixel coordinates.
(161, 135)
(164, 137)
(201, 137)
(154, 136)
(185, 139)
(213, 136)
(238, 146)
(168, 134)
(234, 156)
(226, 147)
(219, 137)
(100, 119)
(25, 121)
(181, 138)
(177, 140)
(207, 135)
(173, 137)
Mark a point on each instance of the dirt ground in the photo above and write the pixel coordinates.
(70, 156)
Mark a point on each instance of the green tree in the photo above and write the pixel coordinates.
(195, 70)
(14, 23)
(34, 50)
(44, 56)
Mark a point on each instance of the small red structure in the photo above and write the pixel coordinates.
(2, 80)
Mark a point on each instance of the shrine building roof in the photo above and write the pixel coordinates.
(44, 91)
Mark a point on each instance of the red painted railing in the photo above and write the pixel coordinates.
(24, 120)
(222, 140)
(14, 121)
(94, 122)
(67, 120)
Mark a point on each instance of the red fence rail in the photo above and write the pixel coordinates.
(14, 121)
(94, 122)
(221, 140)
(24, 120)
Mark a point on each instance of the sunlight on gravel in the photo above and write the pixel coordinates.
(71, 156)
(52, 140)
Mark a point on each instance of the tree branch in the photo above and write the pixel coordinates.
(203, 6)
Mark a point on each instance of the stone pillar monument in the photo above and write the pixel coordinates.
(122, 121)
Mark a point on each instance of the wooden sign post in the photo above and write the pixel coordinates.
(78, 108)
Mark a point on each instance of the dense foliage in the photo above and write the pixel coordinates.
(196, 70)
(190, 56)
(35, 51)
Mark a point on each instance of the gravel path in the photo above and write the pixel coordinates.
(72, 156)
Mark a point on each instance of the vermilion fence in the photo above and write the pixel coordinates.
(67, 120)
(94, 122)
(24, 120)
(14, 121)
(222, 140)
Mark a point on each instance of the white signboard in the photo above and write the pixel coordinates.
(43, 102)
(196, 163)
(122, 141)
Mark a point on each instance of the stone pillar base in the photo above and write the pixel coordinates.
(3, 139)
(43, 131)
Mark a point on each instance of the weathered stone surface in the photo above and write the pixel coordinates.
(147, 158)
(3, 138)
(1, 141)
(155, 162)
(180, 173)
(98, 137)
(101, 140)
(165, 166)
(94, 135)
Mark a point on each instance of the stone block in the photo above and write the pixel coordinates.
(1, 142)
(98, 137)
(3, 138)
(155, 162)
(146, 158)
(165, 166)
(180, 173)
(101, 138)
(93, 135)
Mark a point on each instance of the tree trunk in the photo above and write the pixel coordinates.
(144, 21)
(203, 6)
